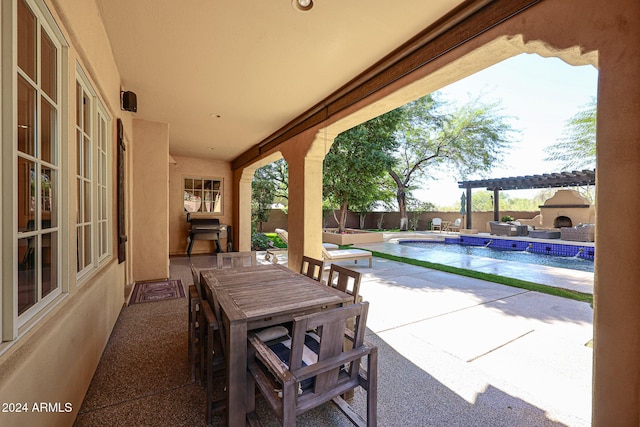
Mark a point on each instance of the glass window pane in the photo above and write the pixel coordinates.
(87, 158)
(103, 238)
(27, 27)
(48, 132)
(26, 117)
(103, 197)
(188, 184)
(78, 105)
(49, 263)
(26, 195)
(87, 245)
(79, 198)
(26, 274)
(47, 191)
(80, 245)
(87, 201)
(86, 113)
(48, 65)
(79, 153)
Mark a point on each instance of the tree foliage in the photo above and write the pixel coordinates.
(469, 139)
(576, 148)
(356, 165)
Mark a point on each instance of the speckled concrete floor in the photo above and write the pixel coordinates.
(453, 351)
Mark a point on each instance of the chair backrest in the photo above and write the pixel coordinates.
(457, 222)
(196, 280)
(330, 326)
(214, 303)
(345, 280)
(236, 259)
(436, 221)
(312, 267)
(283, 234)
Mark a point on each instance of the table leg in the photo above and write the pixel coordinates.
(236, 374)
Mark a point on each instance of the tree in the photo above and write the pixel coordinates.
(576, 148)
(277, 173)
(262, 197)
(468, 140)
(356, 165)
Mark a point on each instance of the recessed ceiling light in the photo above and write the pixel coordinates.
(303, 5)
(215, 116)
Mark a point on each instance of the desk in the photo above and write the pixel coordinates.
(256, 297)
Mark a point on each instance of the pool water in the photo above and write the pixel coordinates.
(573, 263)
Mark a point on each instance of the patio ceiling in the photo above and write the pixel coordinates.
(547, 180)
(226, 75)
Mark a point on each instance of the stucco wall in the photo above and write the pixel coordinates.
(150, 217)
(178, 225)
(56, 360)
(53, 361)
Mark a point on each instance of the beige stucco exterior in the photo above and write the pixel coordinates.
(150, 201)
(53, 359)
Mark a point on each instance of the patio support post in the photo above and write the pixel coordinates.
(305, 155)
(496, 204)
(468, 226)
(616, 371)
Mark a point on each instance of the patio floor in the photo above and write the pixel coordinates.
(453, 351)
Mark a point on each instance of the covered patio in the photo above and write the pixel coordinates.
(453, 351)
(96, 178)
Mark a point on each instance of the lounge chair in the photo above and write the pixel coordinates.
(284, 235)
(436, 224)
(456, 225)
(346, 255)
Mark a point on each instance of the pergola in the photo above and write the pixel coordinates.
(526, 182)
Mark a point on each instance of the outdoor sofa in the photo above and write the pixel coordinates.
(579, 233)
(503, 228)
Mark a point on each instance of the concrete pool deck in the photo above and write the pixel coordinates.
(557, 277)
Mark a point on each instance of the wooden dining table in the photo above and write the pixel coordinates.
(255, 297)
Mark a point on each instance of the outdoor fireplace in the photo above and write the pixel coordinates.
(562, 221)
(566, 208)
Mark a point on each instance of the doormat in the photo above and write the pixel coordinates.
(156, 291)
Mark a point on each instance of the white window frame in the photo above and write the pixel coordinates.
(12, 324)
(201, 208)
(100, 178)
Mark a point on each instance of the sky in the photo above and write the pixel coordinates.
(539, 95)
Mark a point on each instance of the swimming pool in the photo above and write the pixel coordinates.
(504, 253)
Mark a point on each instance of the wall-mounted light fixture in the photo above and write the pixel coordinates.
(303, 5)
(129, 101)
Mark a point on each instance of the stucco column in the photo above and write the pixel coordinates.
(616, 398)
(243, 224)
(304, 157)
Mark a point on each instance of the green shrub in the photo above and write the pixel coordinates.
(506, 218)
(259, 242)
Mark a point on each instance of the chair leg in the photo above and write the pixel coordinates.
(372, 388)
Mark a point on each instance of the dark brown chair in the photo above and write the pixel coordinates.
(236, 259)
(345, 280)
(196, 334)
(312, 268)
(311, 368)
(213, 351)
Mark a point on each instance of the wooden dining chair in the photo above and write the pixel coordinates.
(312, 268)
(312, 368)
(236, 259)
(345, 280)
(196, 333)
(213, 351)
